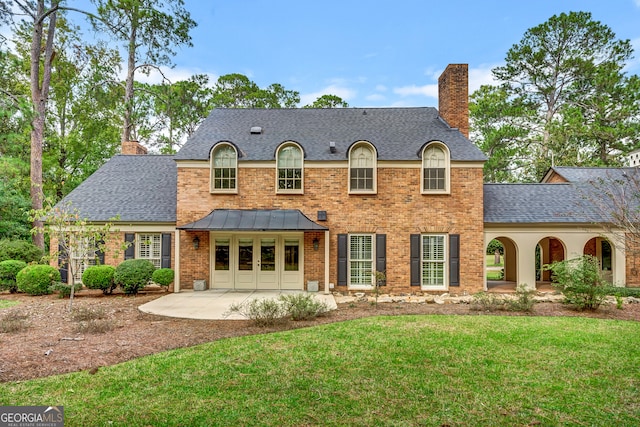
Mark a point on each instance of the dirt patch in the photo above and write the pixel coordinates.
(54, 342)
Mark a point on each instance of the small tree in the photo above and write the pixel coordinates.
(76, 237)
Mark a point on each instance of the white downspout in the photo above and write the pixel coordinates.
(326, 262)
(176, 280)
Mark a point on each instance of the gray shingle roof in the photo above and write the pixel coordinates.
(586, 174)
(397, 133)
(538, 203)
(137, 188)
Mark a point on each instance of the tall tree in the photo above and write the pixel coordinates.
(328, 101)
(237, 91)
(150, 30)
(557, 70)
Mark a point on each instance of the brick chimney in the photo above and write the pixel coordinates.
(453, 96)
(132, 147)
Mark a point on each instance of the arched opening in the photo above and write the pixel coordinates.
(548, 251)
(501, 264)
(602, 249)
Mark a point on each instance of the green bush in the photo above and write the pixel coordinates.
(64, 289)
(581, 282)
(262, 312)
(20, 250)
(163, 276)
(133, 274)
(37, 279)
(485, 301)
(9, 269)
(99, 277)
(303, 306)
(524, 299)
(619, 291)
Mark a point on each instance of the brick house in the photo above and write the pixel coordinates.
(306, 198)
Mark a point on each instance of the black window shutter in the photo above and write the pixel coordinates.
(166, 250)
(415, 260)
(130, 252)
(342, 259)
(100, 253)
(381, 255)
(454, 260)
(63, 266)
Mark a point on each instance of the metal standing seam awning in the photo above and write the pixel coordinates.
(254, 220)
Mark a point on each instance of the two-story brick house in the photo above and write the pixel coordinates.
(294, 198)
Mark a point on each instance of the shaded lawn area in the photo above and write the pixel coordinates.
(405, 370)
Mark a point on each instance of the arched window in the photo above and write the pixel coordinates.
(362, 168)
(289, 169)
(224, 168)
(435, 169)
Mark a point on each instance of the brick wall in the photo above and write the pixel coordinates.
(397, 210)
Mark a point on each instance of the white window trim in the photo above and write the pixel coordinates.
(295, 190)
(212, 188)
(375, 168)
(445, 263)
(373, 261)
(82, 259)
(139, 242)
(447, 170)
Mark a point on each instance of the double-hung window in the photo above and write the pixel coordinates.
(435, 169)
(433, 261)
(289, 169)
(362, 169)
(361, 259)
(149, 246)
(224, 169)
(83, 255)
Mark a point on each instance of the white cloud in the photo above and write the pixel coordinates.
(333, 89)
(481, 76)
(376, 97)
(637, 2)
(173, 74)
(381, 88)
(430, 90)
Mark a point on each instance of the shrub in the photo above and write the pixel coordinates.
(303, 306)
(9, 269)
(523, 301)
(581, 282)
(485, 301)
(99, 277)
(20, 250)
(37, 279)
(262, 312)
(81, 314)
(163, 276)
(133, 274)
(94, 326)
(619, 291)
(13, 321)
(64, 289)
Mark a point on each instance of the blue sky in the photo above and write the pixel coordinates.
(372, 53)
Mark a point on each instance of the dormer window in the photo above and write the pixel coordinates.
(224, 169)
(435, 169)
(362, 168)
(289, 169)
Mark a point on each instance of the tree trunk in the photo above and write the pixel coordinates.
(39, 96)
(128, 91)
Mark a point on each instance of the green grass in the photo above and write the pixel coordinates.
(384, 371)
(494, 275)
(4, 303)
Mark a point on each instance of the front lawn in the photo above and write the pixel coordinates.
(400, 371)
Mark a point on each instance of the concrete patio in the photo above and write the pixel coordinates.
(214, 304)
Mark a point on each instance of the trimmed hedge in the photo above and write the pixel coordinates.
(133, 274)
(20, 250)
(163, 276)
(37, 279)
(99, 277)
(9, 269)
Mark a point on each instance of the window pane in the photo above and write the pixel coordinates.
(291, 255)
(224, 163)
(433, 260)
(361, 259)
(268, 255)
(245, 254)
(222, 254)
